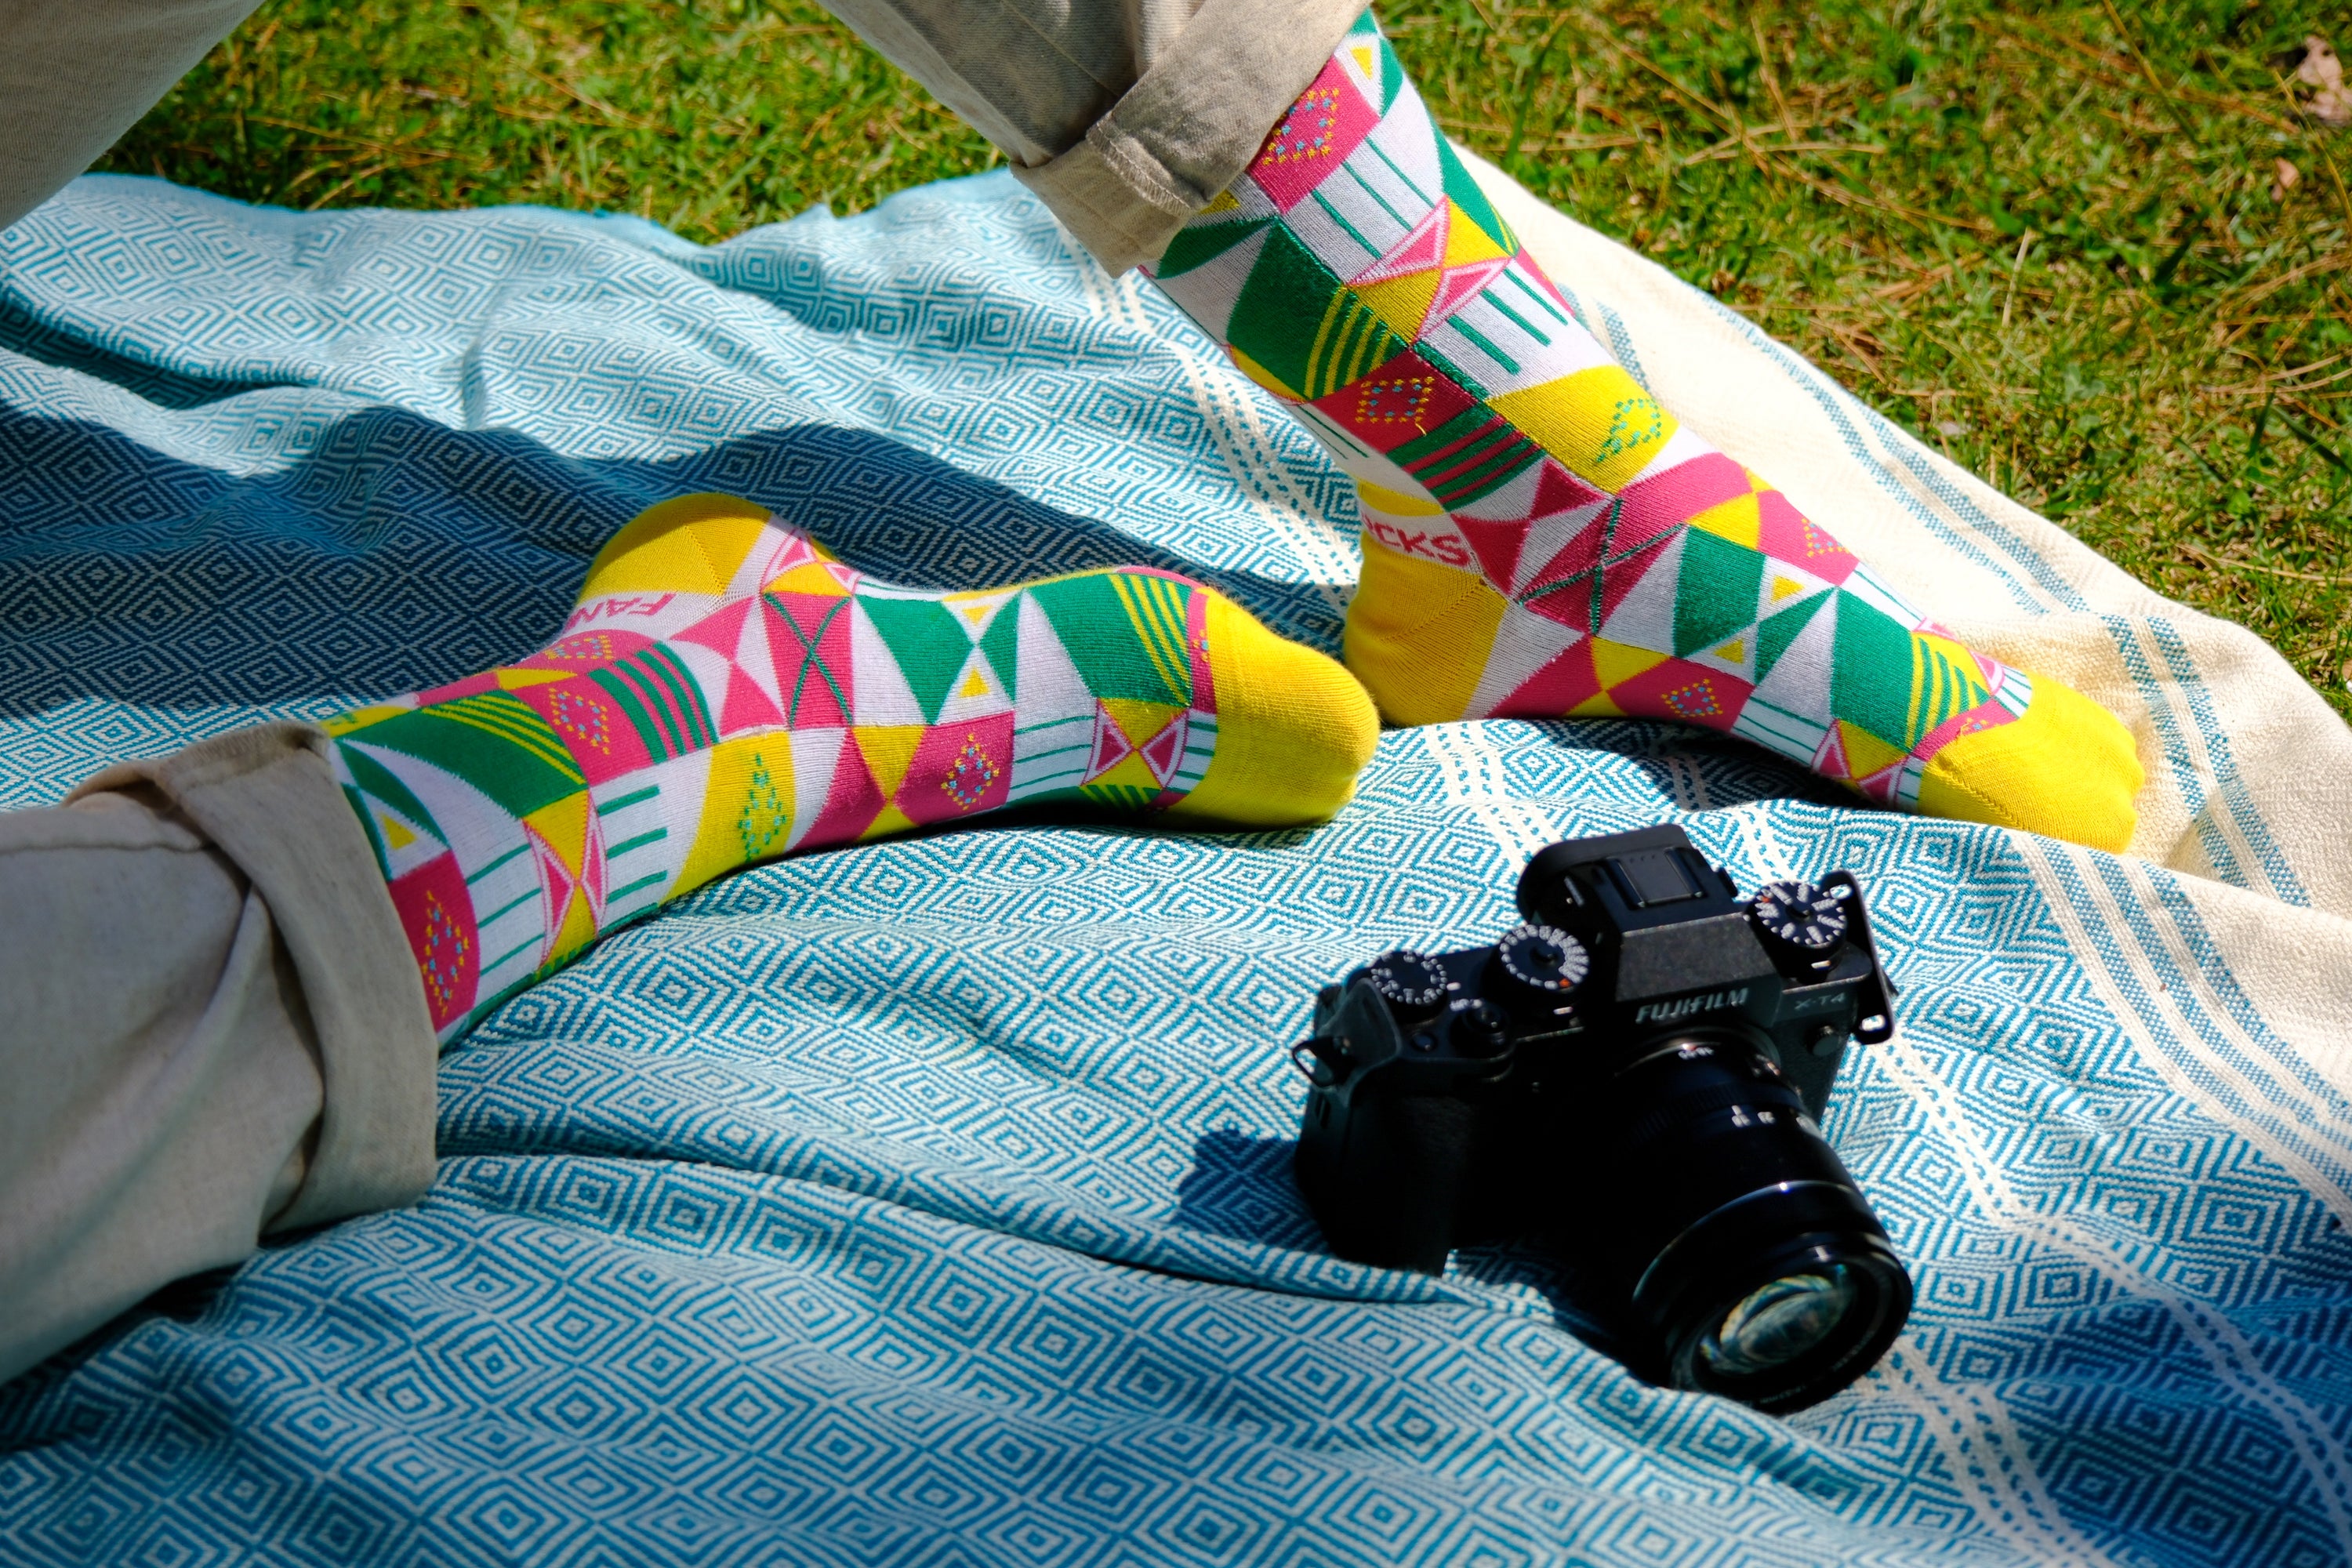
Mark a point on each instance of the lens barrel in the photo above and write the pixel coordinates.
(1756, 1261)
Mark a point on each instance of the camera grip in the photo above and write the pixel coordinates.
(1386, 1174)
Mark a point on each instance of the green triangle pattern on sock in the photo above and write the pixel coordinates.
(1465, 195)
(1946, 687)
(493, 742)
(373, 778)
(1390, 69)
(1778, 631)
(1870, 671)
(1099, 632)
(1715, 595)
(927, 642)
(370, 781)
(1001, 646)
(1200, 245)
(1281, 313)
(1352, 340)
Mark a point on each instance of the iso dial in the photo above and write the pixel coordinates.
(1408, 981)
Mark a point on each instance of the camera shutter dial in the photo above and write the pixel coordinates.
(1801, 918)
(1544, 960)
(1408, 981)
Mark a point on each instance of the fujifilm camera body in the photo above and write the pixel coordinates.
(1635, 1077)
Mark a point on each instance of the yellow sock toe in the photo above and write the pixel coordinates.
(1294, 729)
(2068, 768)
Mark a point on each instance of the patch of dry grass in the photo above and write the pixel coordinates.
(2053, 241)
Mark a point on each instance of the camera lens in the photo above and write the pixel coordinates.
(1755, 1261)
(1772, 1327)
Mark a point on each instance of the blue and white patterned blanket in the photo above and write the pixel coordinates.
(929, 1202)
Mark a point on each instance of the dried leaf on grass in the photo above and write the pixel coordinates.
(2316, 67)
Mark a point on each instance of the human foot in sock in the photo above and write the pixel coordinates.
(726, 691)
(1541, 538)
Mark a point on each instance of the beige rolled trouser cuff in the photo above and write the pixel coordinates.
(1125, 116)
(1126, 119)
(213, 1029)
(76, 74)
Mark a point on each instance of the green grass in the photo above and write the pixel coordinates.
(2050, 239)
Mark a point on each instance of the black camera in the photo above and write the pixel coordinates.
(1635, 1078)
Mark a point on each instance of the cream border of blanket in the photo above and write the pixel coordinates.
(2292, 757)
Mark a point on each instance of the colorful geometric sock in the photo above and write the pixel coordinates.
(1540, 537)
(727, 691)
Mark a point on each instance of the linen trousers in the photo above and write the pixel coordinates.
(211, 1026)
(1125, 116)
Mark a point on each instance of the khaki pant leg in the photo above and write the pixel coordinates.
(1125, 117)
(210, 1028)
(76, 74)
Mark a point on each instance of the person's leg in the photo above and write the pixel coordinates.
(226, 969)
(212, 1030)
(1541, 537)
(727, 693)
(76, 76)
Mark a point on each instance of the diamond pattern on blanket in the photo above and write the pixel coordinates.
(929, 1200)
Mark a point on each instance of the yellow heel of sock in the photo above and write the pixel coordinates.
(689, 544)
(1419, 635)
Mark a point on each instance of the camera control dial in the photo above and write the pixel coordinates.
(1801, 918)
(1408, 981)
(1544, 960)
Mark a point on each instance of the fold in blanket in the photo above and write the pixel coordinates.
(930, 1200)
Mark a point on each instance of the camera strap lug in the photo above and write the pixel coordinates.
(1323, 1072)
(1876, 1004)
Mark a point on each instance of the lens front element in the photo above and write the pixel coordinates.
(1779, 1324)
(1759, 1265)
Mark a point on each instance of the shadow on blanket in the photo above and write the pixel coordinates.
(1243, 1187)
(399, 552)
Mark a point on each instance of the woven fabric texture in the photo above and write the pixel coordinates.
(928, 1202)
